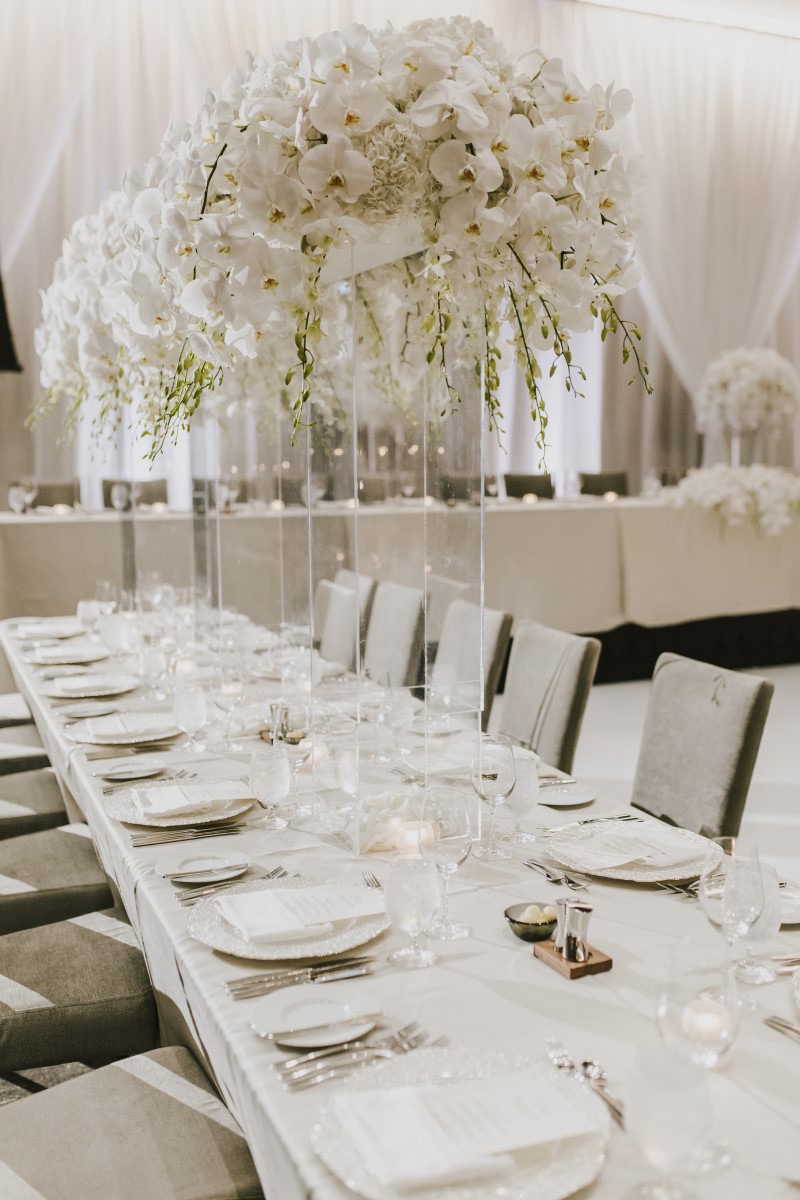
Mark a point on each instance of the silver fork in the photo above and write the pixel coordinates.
(340, 1069)
(188, 898)
(288, 1065)
(371, 880)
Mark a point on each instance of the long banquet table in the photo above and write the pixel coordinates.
(486, 992)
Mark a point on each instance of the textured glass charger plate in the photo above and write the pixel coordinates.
(72, 654)
(208, 925)
(88, 687)
(549, 1171)
(124, 730)
(576, 851)
(122, 806)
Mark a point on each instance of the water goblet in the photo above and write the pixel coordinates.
(668, 1113)
(763, 930)
(16, 499)
(520, 803)
(120, 496)
(292, 729)
(445, 815)
(191, 713)
(30, 488)
(228, 694)
(412, 901)
(730, 890)
(88, 613)
(105, 594)
(270, 778)
(493, 777)
(153, 668)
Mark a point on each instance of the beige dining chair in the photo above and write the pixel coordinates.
(13, 710)
(337, 642)
(21, 749)
(395, 633)
(74, 991)
(149, 1126)
(701, 737)
(29, 802)
(548, 681)
(365, 586)
(456, 665)
(518, 486)
(50, 876)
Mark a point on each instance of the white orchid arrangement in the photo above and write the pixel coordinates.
(509, 184)
(767, 496)
(744, 390)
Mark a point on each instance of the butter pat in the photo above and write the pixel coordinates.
(534, 914)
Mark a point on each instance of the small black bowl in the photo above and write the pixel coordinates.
(530, 931)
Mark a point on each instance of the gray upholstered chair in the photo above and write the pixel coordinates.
(598, 483)
(518, 486)
(21, 749)
(395, 633)
(365, 584)
(337, 642)
(50, 876)
(30, 801)
(441, 592)
(701, 737)
(49, 494)
(149, 1126)
(548, 681)
(13, 711)
(456, 663)
(375, 489)
(74, 991)
(461, 486)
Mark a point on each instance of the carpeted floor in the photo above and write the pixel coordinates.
(46, 1076)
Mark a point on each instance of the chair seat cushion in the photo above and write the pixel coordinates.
(21, 750)
(13, 710)
(74, 991)
(49, 876)
(30, 801)
(151, 1126)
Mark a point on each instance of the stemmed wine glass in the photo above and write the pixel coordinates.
(30, 488)
(270, 778)
(120, 496)
(731, 892)
(493, 777)
(763, 929)
(292, 729)
(228, 693)
(191, 713)
(89, 613)
(668, 1113)
(412, 901)
(105, 594)
(521, 801)
(16, 499)
(446, 816)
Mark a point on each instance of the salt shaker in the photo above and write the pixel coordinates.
(575, 946)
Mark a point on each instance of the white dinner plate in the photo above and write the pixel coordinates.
(551, 1171)
(70, 655)
(569, 795)
(82, 712)
(790, 905)
(122, 806)
(142, 768)
(308, 1004)
(87, 687)
(159, 731)
(204, 868)
(207, 924)
(568, 854)
(56, 630)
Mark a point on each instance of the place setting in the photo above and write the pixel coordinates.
(123, 729)
(180, 802)
(91, 686)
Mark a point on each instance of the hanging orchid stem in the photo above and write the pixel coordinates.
(211, 176)
(532, 369)
(631, 335)
(379, 337)
(310, 326)
(443, 320)
(560, 346)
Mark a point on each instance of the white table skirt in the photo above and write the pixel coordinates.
(486, 992)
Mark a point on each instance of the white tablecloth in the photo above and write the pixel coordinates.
(486, 992)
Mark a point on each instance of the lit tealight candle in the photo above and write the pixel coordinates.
(412, 836)
(530, 498)
(707, 1020)
(277, 505)
(62, 509)
(611, 495)
(159, 506)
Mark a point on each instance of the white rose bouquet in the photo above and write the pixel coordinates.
(746, 389)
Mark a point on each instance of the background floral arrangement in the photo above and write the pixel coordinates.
(745, 389)
(768, 496)
(509, 184)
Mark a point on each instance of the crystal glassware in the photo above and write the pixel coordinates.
(270, 777)
(105, 593)
(697, 1013)
(120, 496)
(191, 713)
(730, 890)
(153, 668)
(411, 889)
(30, 488)
(493, 777)
(668, 1113)
(521, 802)
(292, 729)
(765, 927)
(88, 613)
(228, 694)
(445, 821)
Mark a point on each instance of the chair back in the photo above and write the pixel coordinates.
(395, 633)
(518, 486)
(549, 678)
(49, 494)
(340, 623)
(365, 584)
(454, 664)
(599, 483)
(701, 736)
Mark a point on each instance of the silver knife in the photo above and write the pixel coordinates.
(344, 1023)
(264, 989)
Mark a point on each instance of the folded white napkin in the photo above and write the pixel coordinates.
(176, 801)
(415, 1136)
(650, 844)
(268, 916)
(135, 723)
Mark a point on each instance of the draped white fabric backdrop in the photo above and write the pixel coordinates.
(87, 88)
